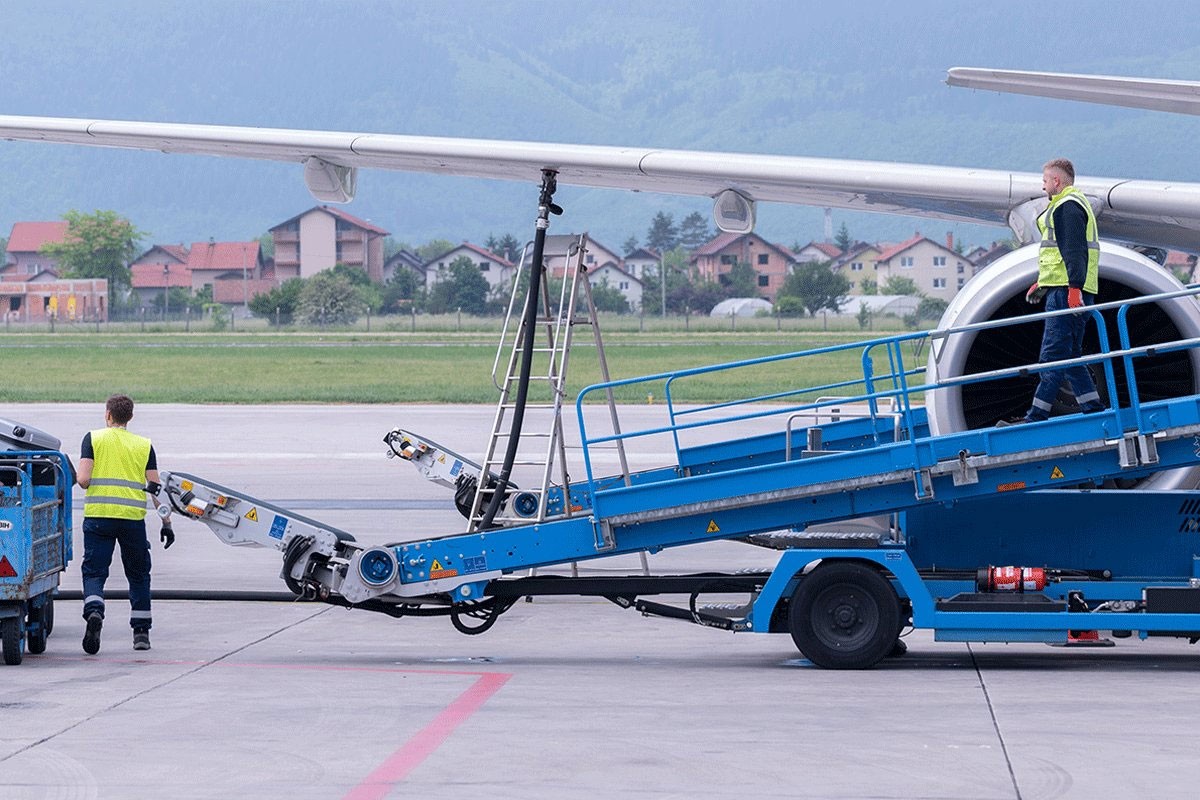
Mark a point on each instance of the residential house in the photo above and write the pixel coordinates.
(37, 298)
(324, 236)
(234, 271)
(619, 279)
(163, 266)
(936, 269)
(771, 263)
(497, 270)
(981, 256)
(557, 248)
(642, 262)
(404, 259)
(817, 252)
(857, 263)
(24, 256)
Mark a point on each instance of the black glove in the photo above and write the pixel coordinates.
(167, 535)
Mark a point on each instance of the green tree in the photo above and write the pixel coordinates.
(510, 247)
(460, 285)
(743, 280)
(630, 245)
(266, 245)
(3, 244)
(328, 298)
(98, 245)
(279, 305)
(434, 248)
(392, 245)
(371, 294)
(863, 316)
(401, 293)
(868, 286)
(931, 308)
(898, 284)
(663, 235)
(816, 285)
(609, 298)
(694, 231)
(843, 240)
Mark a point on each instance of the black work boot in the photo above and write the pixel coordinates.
(91, 634)
(141, 640)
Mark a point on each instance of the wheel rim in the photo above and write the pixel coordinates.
(844, 617)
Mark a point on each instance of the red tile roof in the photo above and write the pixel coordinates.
(716, 245)
(150, 276)
(477, 250)
(223, 255)
(897, 249)
(28, 237)
(828, 248)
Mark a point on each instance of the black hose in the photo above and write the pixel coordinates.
(528, 326)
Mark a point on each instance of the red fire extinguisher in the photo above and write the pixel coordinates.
(1010, 579)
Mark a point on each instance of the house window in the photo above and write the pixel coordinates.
(764, 280)
(939, 261)
(342, 226)
(623, 285)
(939, 283)
(727, 259)
(906, 262)
(723, 279)
(856, 266)
(960, 269)
(591, 259)
(485, 266)
(764, 258)
(961, 281)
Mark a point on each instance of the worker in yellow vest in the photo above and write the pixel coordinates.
(118, 469)
(1068, 277)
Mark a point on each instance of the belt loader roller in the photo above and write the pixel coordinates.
(844, 602)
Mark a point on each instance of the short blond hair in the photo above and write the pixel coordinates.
(1063, 165)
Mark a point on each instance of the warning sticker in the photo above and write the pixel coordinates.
(474, 564)
(1056, 473)
(442, 459)
(712, 526)
(278, 527)
(437, 566)
(1010, 487)
(252, 515)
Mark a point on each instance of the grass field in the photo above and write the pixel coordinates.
(389, 366)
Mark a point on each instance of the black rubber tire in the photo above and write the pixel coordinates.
(11, 641)
(844, 616)
(36, 642)
(48, 619)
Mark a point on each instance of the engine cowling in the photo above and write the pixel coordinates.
(998, 292)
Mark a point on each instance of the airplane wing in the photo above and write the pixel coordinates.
(1165, 214)
(1180, 97)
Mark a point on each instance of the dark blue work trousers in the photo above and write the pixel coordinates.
(1063, 339)
(100, 536)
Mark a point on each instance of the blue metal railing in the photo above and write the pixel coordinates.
(893, 384)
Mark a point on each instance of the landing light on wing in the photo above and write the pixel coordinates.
(733, 212)
(328, 182)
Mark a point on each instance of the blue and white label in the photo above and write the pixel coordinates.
(278, 527)
(457, 468)
(473, 564)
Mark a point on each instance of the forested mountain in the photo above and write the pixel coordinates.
(852, 80)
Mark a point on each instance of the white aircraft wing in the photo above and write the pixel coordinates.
(1181, 97)
(1161, 213)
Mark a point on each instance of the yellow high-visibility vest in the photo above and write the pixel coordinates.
(1052, 270)
(118, 485)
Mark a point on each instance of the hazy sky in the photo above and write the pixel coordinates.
(849, 80)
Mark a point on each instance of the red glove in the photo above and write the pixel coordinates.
(1035, 294)
(1074, 298)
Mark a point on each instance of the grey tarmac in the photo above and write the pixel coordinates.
(563, 698)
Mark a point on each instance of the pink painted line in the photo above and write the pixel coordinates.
(423, 743)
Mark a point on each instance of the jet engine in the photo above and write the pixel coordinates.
(998, 292)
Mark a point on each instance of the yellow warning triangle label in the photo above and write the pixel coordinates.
(1057, 473)
(712, 526)
(252, 515)
(442, 460)
(437, 566)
